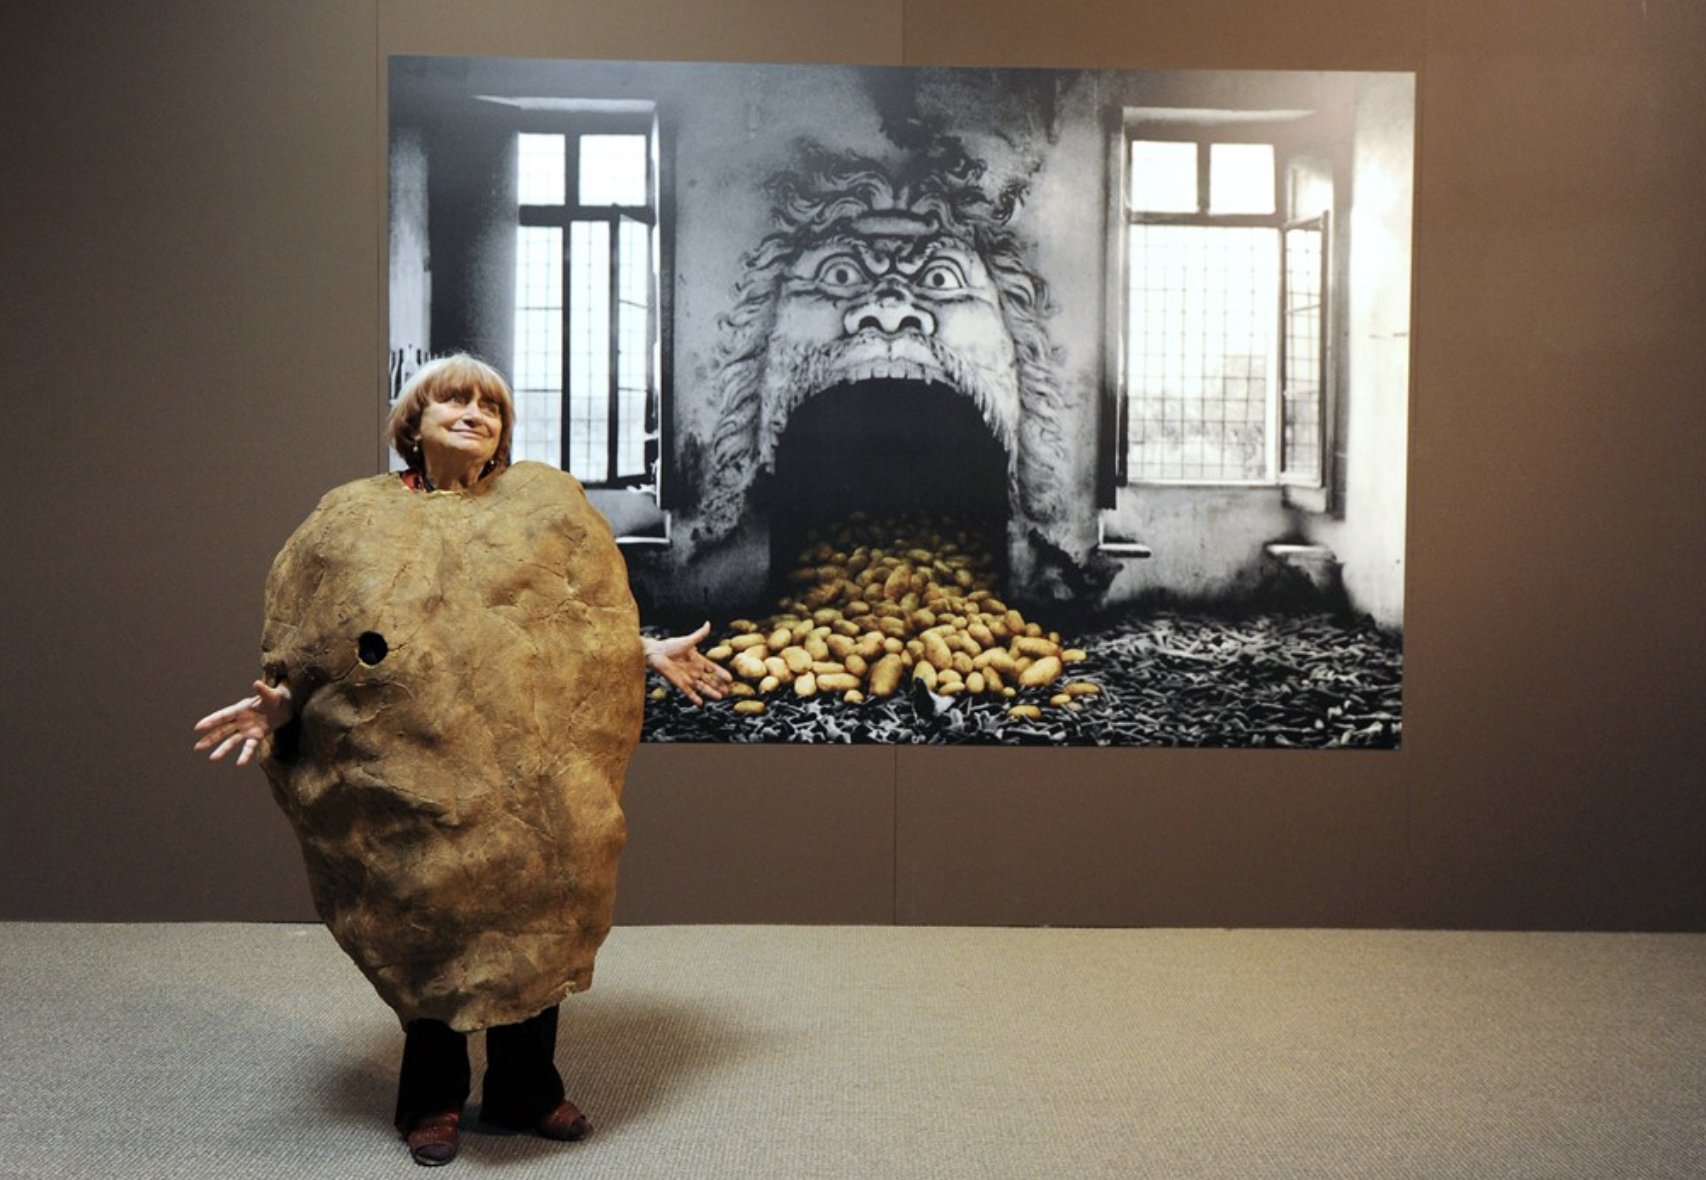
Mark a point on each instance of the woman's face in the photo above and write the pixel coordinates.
(461, 428)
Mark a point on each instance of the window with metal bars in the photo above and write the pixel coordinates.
(1224, 338)
(586, 299)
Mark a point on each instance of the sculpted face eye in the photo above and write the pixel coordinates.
(841, 272)
(941, 275)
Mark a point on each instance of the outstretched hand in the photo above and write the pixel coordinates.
(246, 723)
(679, 661)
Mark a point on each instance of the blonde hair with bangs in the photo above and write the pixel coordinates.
(440, 381)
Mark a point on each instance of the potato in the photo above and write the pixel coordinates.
(885, 675)
(890, 600)
(1025, 713)
(935, 649)
(750, 707)
(1043, 671)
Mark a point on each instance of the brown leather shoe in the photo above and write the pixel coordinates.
(564, 1121)
(434, 1138)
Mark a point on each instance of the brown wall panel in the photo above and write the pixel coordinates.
(190, 301)
(1167, 34)
(759, 834)
(193, 238)
(648, 30)
(1556, 529)
(1150, 838)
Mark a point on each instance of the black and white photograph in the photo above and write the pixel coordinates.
(989, 406)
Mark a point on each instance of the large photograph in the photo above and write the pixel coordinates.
(968, 405)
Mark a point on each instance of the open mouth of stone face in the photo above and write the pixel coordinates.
(869, 358)
(886, 445)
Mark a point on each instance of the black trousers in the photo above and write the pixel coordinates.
(521, 1084)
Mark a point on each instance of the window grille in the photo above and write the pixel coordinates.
(1199, 340)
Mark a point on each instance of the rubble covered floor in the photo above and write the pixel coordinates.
(1166, 679)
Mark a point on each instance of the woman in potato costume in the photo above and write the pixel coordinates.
(453, 678)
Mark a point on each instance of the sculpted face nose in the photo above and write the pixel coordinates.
(891, 312)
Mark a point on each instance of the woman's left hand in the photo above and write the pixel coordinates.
(678, 660)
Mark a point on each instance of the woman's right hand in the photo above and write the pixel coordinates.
(248, 722)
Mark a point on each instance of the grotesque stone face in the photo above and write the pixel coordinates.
(890, 298)
(899, 274)
(470, 682)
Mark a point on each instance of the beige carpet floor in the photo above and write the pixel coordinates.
(237, 1051)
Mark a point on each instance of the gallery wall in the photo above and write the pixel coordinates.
(192, 230)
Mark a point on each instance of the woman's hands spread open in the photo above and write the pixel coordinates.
(246, 723)
(679, 661)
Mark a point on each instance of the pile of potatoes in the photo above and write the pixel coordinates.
(877, 604)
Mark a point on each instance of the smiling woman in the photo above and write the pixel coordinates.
(453, 423)
(453, 687)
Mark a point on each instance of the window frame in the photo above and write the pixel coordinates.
(1287, 134)
(572, 125)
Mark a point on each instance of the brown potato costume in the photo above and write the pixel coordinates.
(469, 680)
